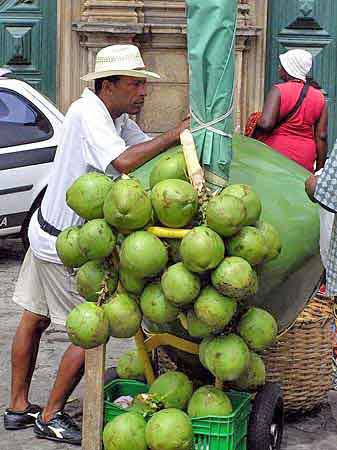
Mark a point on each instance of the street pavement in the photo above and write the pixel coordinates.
(315, 431)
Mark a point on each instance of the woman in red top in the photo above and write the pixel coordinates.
(303, 137)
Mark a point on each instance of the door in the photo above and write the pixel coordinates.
(309, 24)
(28, 41)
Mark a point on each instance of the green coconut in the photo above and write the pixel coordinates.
(272, 239)
(180, 286)
(173, 389)
(214, 309)
(96, 239)
(68, 248)
(125, 432)
(87, 326)
(127, 206)
(225, 214)
(258, 328)
(169, 429)
(249, 244)
(143, 254)
(235, 278)
(169, 167)
(131, 283)
(227, 357)
(156, 307)
(87, 194)
(92, 277)
(202, 249)
(250, 199)
(130, 366)
(197, 328)
(254, 376)
(203, 350)
(123, 314)
(209, 401)
(175, 202)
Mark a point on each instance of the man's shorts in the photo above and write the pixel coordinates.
(46, 288)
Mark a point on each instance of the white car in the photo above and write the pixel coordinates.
(30, 127)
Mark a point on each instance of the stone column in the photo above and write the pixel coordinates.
(240, 80)
(255, 59)
(71, 59)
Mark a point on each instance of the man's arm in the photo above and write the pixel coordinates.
(138, 154)
(310, 188)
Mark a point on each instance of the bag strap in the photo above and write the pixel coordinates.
(296, 107)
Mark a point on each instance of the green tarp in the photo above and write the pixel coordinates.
(287, 283)
(211, 46)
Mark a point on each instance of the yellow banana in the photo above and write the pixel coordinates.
(168, 233)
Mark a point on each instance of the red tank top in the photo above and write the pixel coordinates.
(295, 139)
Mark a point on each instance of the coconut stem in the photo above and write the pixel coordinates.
(218, 383)
(194, 169)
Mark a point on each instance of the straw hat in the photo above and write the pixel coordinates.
(119, 60)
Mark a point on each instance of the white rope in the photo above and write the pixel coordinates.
(209, 125)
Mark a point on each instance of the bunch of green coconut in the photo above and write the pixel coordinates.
(133, 262)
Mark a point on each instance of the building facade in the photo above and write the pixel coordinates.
(51, 43)
(159, 28)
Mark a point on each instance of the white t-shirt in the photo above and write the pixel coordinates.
(91, 140)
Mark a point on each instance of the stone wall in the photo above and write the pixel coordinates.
(159, 28)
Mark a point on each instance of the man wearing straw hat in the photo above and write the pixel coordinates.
(98, 135)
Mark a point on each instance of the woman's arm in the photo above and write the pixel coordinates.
(321, 136)
(271, 110)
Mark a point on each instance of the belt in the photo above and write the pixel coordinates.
(45, 226)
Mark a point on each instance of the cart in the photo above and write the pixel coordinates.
(265, 423)
(262, 426)
(255, 165)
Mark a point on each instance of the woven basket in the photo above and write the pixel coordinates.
(301, 360)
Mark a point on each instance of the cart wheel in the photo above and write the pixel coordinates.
(266, 421)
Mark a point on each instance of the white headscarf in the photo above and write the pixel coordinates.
(297, 63)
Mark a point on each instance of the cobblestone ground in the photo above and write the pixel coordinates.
(312, 432)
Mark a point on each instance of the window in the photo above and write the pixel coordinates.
(20, 122)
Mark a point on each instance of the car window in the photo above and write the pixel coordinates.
(20, 121)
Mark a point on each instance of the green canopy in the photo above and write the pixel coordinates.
(211, 45)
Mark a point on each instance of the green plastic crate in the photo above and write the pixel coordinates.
(224, 433)
(210, 433)
(117, 388)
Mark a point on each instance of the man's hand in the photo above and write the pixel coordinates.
(310, 187)
(185, 124)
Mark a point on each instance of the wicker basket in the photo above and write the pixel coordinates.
(301, 360)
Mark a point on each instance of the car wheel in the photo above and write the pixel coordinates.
(25, 225)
